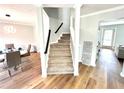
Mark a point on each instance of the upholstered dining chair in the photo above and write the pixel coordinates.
(27, 53)
(9, 46)
(25, 57)
(2, 60)
(13, 60)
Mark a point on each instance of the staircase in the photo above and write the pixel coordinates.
(60, 59)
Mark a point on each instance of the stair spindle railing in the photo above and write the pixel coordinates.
(59, 28)
(48, 40)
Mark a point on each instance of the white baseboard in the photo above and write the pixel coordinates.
(80, 61)
(89, 64)
(121, 74)
(93, 65)
(44, 75)
(86, 64)
(76, 73)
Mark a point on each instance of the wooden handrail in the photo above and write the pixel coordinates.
(59, 28)
(47, 44)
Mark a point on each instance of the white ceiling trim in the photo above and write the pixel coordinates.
(112, 23)
(103, 11)
(15, 22)
(58, 5)
(62, 5)
(40, 1)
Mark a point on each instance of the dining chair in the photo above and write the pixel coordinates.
(2, 60)
(27, 52)
(9, 46)
(13, 60)
(25, 57)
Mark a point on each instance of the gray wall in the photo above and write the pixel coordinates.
(65, 17)
(120, 35)
(56, 17)
(52, 12)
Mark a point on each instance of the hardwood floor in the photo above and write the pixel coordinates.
(106, 75)
(31, 74)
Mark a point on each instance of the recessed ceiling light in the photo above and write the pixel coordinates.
(8, 15)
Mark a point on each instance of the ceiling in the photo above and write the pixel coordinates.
(20, 13)
(91, 8)
(23, 13)
(26, 13)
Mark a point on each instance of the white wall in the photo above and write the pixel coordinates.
(74, 44)
(89, 28)
(45, 26)
(54, 24)
(64, 15)
(23, 36)
(88, 32)
(72, 38)
(45, 32)
(40, 38)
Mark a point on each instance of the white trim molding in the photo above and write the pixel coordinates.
(122, 73)
(76, 46)
(103, 11)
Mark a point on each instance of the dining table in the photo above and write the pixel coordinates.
(4, 58)
(3, 54)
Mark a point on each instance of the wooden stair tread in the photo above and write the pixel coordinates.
(60, 59)
(60, 44)
(60, 64)
(61, 69)
(65, 34)
(64, 40)
(68, 53)
(60, 49)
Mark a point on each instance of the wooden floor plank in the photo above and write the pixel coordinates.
(91, 84)
(106, 75)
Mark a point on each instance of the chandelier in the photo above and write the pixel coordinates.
(9, 29)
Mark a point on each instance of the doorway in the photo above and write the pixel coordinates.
(108, 38)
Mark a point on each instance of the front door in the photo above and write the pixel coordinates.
(108, 38)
